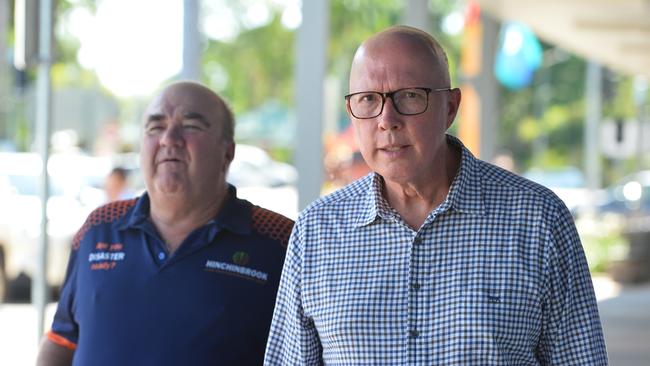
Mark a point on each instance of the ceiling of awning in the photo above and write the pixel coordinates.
(615, 33)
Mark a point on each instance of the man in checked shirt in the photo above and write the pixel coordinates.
(436, 257)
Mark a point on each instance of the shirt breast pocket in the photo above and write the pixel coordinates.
(502, 310)
(504, 320)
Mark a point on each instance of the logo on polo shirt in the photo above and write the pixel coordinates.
(241, 258)
(236, 270)
(106, 256)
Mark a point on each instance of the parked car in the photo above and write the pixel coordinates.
(20, 212)
(567, 183)
(253, 166)
(264, 181)
(629, 196)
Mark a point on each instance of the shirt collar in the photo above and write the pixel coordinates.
(373, 197)
(235, 214)
(465, 194)
(466, 191)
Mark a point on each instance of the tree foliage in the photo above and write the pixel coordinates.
(541, 124)
(256, 66)
(259, 63)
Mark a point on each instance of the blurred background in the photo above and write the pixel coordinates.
(555, 91)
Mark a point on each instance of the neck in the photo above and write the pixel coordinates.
(415, 200)
(176, 217)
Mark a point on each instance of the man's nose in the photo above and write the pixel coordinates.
(173, 136)
(390, 119)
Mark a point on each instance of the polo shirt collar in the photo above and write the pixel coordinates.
(235, 214)
(465, 194)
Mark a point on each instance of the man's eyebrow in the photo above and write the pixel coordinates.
(155, 117)
(197, 116)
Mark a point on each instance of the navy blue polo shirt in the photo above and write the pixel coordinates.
(125, 301)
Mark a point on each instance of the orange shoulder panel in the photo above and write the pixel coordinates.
(272, 224)
(104, 214)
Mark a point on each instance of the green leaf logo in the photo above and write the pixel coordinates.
(241, 258)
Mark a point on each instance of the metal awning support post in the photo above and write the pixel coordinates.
(43, 105)
(640, 97)
(593, 114)
(416, 14)
(191, 41)
(311, 61)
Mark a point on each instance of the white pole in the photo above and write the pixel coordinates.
(593, 114)
(191, 41)
(310, 84)
(416, 14)
(43, 105)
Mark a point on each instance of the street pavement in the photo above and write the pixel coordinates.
(626, 324)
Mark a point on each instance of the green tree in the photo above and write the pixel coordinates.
(542, 124)
(256, 66)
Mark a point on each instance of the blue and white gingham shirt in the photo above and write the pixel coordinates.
(496, 275)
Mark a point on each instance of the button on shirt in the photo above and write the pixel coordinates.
(496, 275)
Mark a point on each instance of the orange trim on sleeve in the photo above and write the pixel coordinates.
(61, 341)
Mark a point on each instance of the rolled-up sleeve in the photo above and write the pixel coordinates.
(293, 339)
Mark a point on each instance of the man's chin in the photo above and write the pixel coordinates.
(170, 187)
(398, 176)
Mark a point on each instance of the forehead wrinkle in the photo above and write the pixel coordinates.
(188, 97)
(398, 57)
(181, 103)
(197, 116)
(378, 73)
(387, 79)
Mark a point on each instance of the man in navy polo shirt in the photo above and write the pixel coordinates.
(187, 273)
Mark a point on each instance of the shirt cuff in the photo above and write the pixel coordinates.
(60, 340)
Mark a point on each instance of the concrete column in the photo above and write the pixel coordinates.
(191, 41)
(43, 119)
(5, 71)
(416, 14)
(593, 115)
(311, 61)
(640, 98)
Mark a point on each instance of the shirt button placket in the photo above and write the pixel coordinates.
(414, 298)
(416, 252)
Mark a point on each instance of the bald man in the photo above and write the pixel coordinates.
(435, 257)
(187, 273)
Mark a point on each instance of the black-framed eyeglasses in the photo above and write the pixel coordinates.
(407, 101)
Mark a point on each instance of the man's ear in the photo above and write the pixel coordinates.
(347, 108)
(453, 103)
(230, 154)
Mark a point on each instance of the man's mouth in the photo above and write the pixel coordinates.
(393, 148)
(170, 160)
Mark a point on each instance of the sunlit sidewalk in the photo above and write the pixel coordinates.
(18, 333)
(626, 323)
(624, 310)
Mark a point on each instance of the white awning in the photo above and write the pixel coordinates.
(614, 33)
